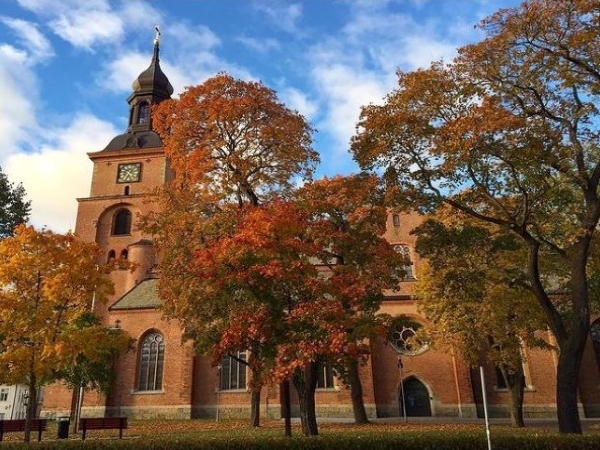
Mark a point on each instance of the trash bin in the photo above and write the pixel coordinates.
(63, 427)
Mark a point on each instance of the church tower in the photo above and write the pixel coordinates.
(125, 171)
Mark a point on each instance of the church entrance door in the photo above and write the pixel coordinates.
(417, 399)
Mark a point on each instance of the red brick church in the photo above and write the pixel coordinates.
(163, 377)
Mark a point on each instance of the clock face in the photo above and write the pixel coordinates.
(128, 173)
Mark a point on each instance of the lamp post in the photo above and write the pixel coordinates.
(400, 367)
(218, 392)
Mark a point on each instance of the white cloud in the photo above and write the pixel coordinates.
(260, 45)
(297, 100)
(85, 24)
(36, 44)
(120, 73)
(188, 57)
(18, 90)
(60, 171)
(344, 89)
(17, 115)
(358, 66)
(283, 15)
(82, 24)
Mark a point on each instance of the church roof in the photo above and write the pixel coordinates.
(133, 140)
(143, 296)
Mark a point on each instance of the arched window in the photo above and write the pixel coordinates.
(124, 254)
(144, 113)
(233, 372)
(122, 222)
(151, 362)
(111, 255)
(396, 220)
(408, 268)
(126, 190)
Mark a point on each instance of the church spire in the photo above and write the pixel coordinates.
(151, 87)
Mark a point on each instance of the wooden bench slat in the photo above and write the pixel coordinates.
(102, 423)
(15, 425)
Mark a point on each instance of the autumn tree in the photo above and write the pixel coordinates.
(233, 141)
(470, 289)
(47, 282)
(297, 282)
(14, 209)
(232, 146)
(347, 221)
(508, 133)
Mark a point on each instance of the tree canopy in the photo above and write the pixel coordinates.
(14, 209)
(233, 146)
(252, 262)
(470, 291)
(508, 133)
(234, 141)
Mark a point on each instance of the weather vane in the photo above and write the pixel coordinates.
(157, 35)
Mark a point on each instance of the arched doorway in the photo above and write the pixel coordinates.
(417, 399)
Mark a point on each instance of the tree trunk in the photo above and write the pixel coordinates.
(356, 393)
(567, 380)
(255, 407)
(305, 381)
(286, 407)
(74, 405)
(571, 341)
(516, 387)
(571, 333)
(31, 406)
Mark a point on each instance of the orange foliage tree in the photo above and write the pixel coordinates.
(232, 146)
(508, 133)
(347, 220)
(250, 263)
(47, 282)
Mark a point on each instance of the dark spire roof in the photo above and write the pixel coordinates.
(150, 88)
(152, 80)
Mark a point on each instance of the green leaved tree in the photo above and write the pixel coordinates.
(472, 291)
(14, 209)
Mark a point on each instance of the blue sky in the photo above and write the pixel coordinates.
(66, 68)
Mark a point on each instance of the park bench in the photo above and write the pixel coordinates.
(102, 423)
(14, 425)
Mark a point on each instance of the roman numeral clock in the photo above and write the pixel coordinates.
(129, 173)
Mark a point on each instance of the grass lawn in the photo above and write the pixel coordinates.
(229, 434)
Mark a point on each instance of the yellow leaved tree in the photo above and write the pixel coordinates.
(47, 284)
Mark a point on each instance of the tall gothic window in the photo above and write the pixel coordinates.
(233, 372)
(408, 268)
(122, 222)
(151, 362)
